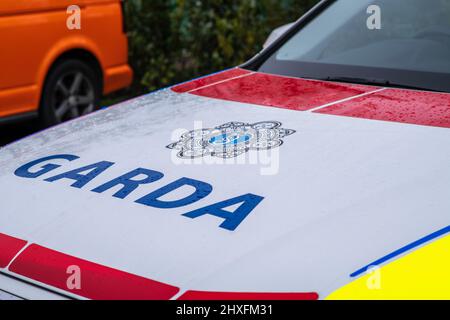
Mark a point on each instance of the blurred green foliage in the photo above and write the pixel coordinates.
(175, 40)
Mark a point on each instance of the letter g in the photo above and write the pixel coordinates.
(24, 171)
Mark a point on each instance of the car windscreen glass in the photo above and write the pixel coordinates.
(401, 42)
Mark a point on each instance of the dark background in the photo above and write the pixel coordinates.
(171, 41)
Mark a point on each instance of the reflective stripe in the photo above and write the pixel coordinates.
(95, 281)
(9, 247)
(402, 250)
(406, 106)
(209, 295)
(282, 92)
(422, 274)
(210, 79)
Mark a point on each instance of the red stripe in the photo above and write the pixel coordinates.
(207, 295)
(9, 247)
(282, 92)
(198, 83)
(406, 106)
(97, 281)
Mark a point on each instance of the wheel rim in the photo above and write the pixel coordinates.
(73, 96)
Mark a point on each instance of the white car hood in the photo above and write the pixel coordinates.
(345, 192)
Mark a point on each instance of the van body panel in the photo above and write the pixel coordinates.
(19, 7)
(32, 44)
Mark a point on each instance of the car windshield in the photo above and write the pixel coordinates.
(404, 43)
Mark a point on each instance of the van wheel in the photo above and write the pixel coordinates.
(72, 89)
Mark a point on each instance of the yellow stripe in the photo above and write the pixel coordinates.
(422, 274)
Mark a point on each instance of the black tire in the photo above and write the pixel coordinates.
(72, 89)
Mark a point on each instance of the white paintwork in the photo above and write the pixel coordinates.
(4, 296)
(348, 191)
(24, 290)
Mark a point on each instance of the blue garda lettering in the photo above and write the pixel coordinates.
(81, 179)
(24, 171)
(202, 189)
(129, 184)
(232, 219)
(139, 177)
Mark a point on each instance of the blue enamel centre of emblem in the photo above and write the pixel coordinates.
(229, 139)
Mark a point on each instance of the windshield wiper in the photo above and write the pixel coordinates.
(375, 82)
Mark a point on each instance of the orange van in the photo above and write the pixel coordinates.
(57, 57)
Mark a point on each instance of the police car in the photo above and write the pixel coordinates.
(317, 170)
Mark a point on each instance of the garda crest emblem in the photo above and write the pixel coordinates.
(230, 139)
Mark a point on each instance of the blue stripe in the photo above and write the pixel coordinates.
(402, 250)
